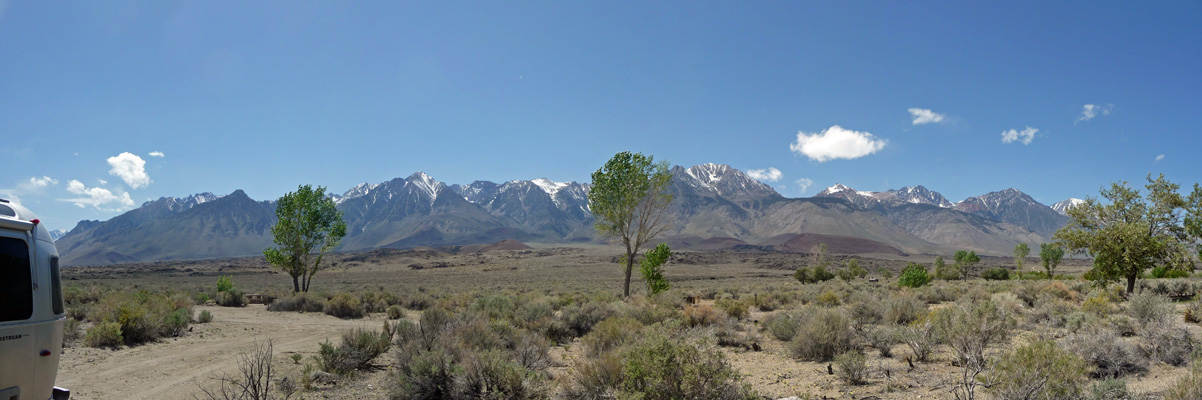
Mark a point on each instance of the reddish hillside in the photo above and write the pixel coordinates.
(699, 243)
(808, 243)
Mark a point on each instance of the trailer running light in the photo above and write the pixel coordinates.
(35, 221)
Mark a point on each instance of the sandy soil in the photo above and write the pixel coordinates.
(173, 368)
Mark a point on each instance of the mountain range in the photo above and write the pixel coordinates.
(714, 207)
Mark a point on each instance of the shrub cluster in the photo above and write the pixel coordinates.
(662, 363)
(783, 325)
(228, 294)
(359, 347)
(915, 275)
(920, 336)
(851, 367)
(666, 366)
(344, 305)
(1104, 348)
(465, 355)
(300, 302)
(1040, 370)
(140, 317)
(104, 334)
(823, 334)
(996, 274)
(814, 274)
(1164, 272)
(736, 309)
(395, 312)
(903, 309)
(1188, 387)
(1147, 307)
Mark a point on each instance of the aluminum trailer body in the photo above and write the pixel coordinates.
(32, 313)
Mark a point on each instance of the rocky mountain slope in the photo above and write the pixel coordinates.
(715, 206)
(1017, 208)
(168, 228)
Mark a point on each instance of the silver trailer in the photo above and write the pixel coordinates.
(31, 307)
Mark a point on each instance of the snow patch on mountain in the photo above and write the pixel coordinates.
(359, 190)
(184, 203)
(707, 175)
(426, 184)
(839, 187)
(550, 186)
(908, 194)
(57, 233)
(1063, 206)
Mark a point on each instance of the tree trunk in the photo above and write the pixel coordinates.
(295, 284)
(629, 269)
(1131, 283)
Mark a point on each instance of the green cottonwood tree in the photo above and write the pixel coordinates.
(1130, 234)
(941, 271)
(1021, 251)
(652, 268)
(1193, 216)
(629, 199)
(309, 226)
(1051, 254)
(964, 262)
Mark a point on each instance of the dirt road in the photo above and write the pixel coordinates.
(173, 368)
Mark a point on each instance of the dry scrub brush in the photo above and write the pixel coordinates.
(252, 382)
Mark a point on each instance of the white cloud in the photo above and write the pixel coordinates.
(1089, 111)
(130, 168)
(1158, 158)
(925, 116)
(102, 181)
(769, 174)
(34, 185)
(157, 154)
(803, 184)
(97, 197)
(1025, 136)
(835, 143)
(42, 182)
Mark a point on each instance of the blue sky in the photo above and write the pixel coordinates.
(269, 95)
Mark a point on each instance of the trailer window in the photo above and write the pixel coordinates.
(56, 285)
(16, 281)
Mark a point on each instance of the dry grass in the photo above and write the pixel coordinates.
(546, 288)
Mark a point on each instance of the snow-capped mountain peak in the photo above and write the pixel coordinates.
(57, 233)
(838, 187)
(909, 194)
(722, 180)
(1063, 206)
(426, 184)
(177, 204)
(708, 174)
(549, 186)
(920, 195)
(359, 190)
